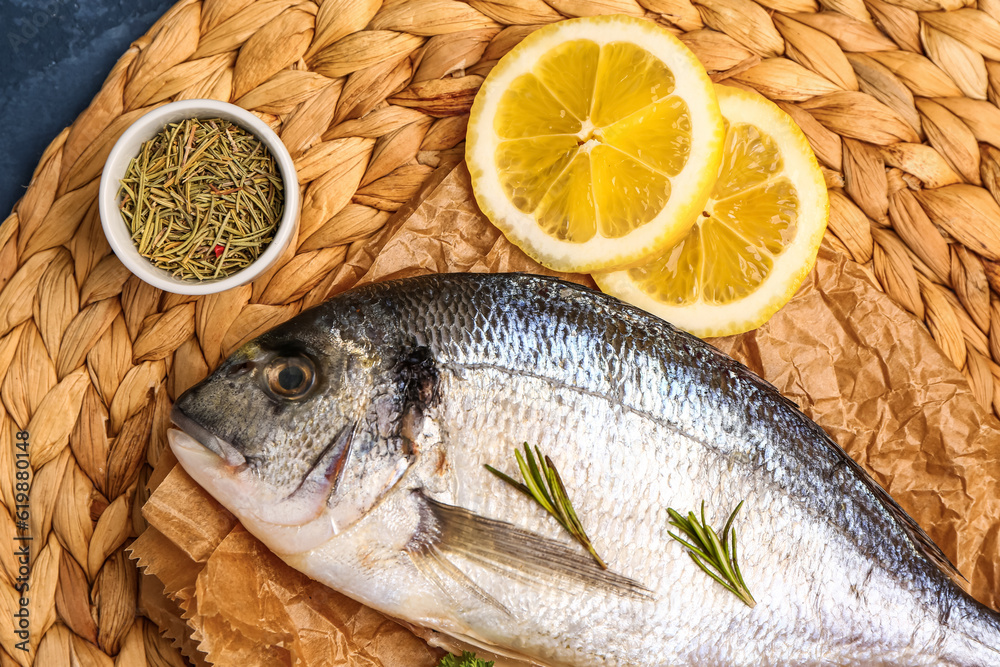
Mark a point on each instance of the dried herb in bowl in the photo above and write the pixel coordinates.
(202, 199)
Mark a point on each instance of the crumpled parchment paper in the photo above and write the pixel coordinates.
(856, 363)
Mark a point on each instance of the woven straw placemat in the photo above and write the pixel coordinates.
(898, 98)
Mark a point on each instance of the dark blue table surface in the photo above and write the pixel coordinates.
(54, 56)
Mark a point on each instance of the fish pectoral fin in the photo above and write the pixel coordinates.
(436, 567)
(513, 552)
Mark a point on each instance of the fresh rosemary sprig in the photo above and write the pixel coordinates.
(707, 550)
(542, 482)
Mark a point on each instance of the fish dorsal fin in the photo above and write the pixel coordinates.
(514, 552)
(921, 541)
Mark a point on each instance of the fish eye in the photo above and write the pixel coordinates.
(289, 378)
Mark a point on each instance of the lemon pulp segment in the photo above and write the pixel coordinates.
(586, 150)
(750, 219)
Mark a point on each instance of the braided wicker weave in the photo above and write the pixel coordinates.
(899, 99)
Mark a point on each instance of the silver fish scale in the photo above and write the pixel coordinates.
(532, 359)
(625, 514)
(605, 348)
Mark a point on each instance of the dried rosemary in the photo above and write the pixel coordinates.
(542, 482)
(202, 199)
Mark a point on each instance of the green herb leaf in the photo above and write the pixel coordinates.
(718, 558)
(467, 660)
(542, 482)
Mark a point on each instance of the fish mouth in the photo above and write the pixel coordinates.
(210, 441)
(217, 466)
(264, 515)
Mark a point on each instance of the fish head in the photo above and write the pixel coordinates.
(293, 433)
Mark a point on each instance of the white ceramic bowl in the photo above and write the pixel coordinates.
(127, 148)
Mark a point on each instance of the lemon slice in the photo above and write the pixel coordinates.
(756, 239)
(594, 142)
